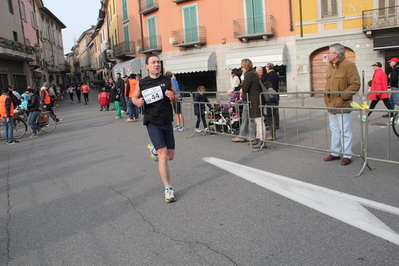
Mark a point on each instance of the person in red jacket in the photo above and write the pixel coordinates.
(103, 100)
(85, 90)
(378, 83)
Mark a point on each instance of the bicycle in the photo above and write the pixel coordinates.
(395, 124)
(20, 127)
(45, 121)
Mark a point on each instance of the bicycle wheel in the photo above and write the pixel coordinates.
(395, 124)
(20, 128)
(49, 126)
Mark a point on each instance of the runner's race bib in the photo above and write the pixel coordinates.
(152, 95)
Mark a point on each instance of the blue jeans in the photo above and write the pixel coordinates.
(394, 99)
(133, 111)
(122, 102)
(341, 133)
(32, 121)
(8, 128)
(246, 124)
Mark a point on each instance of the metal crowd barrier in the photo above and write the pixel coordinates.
(305, 125)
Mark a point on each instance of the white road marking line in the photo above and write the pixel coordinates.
(344, 207)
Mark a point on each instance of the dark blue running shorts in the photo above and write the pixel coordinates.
(161, 136)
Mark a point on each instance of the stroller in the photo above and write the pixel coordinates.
(220, 121)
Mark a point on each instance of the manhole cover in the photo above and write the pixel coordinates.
(100, 124)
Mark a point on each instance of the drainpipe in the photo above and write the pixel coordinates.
(291, 22)
(141, 27)
(300, 17)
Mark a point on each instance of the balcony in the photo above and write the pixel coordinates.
(64, 68)
(124, 49)
(253, 28)
(16, 51)
(195, 36)
(381, 18)
(148, 6)
(152, 44)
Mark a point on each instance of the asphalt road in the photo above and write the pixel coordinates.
(89, 194)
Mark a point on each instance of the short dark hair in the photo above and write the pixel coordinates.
(29, 90)
(268, 84)
(148, 57)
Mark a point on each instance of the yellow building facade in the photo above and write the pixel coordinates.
(320, 23)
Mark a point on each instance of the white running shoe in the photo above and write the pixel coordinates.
(182, 128)
(169, 195)
(153, 152)
(198, 130)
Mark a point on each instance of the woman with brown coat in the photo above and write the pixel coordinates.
(251, 85)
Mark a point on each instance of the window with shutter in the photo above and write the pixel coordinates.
(125, 14)
(190, 19)
(329, 8)
(126, 36)
(255, 18)
(152, 33)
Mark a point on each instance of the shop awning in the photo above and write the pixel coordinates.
(191, 63)
(126, 68)
(259, 55)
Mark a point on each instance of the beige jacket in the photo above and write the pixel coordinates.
(341, 76)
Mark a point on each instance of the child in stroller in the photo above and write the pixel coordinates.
(223, 121)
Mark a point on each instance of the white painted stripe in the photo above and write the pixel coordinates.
(344, 207)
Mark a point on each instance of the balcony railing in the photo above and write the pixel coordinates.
(189, 36)
(124, 49)
(150, 44)
(381, 18)
(254, 27)
(147, 6)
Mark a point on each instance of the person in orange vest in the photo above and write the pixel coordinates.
(45, 100)
(85, 90)
(130, 88)
(6, 113)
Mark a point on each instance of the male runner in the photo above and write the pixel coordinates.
(155, 92)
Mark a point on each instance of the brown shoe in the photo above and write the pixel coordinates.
(270, 137)
(238, 140)
(260, 143)
(346, 161)
(331, 158)
(254, 142)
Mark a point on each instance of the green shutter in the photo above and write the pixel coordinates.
(126, 36)
(152, 33)
(124, 11)
(190, 24)
(255, 20)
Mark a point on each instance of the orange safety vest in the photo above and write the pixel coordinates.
(132, 85)
(3, 111)
(85, 88)
(46, 97)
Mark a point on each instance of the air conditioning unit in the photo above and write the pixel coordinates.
(172, 40)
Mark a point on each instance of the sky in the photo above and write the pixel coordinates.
(77, 16)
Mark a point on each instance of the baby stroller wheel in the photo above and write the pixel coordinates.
(211, 130)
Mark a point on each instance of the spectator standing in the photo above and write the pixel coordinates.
(115, 97)
(120, 84)
(342, 76)
(251, 85)
(103, 100)
(177, 105)
(234, 80)
(393, 80)
(130, 89)
(199, 107)
(272, 76)
(6, 113)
